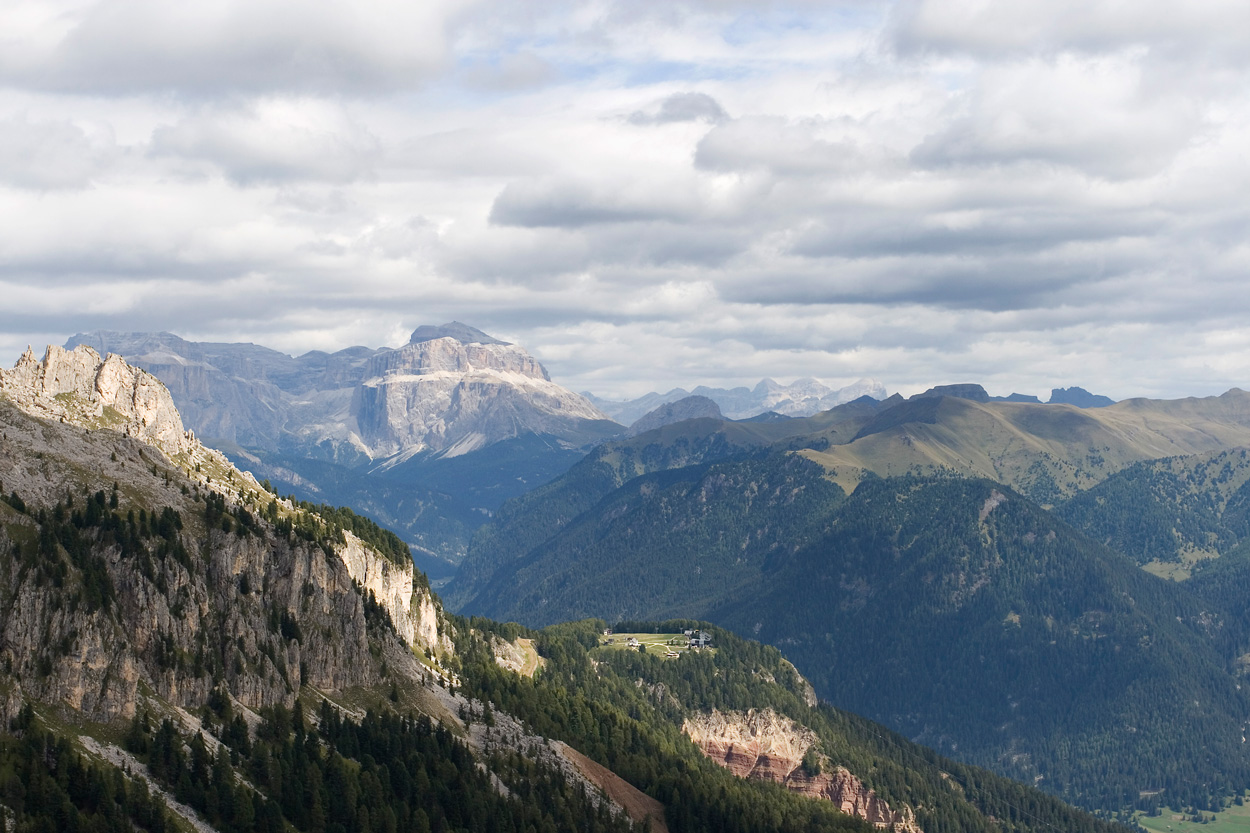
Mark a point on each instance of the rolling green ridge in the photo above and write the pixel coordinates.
(666, 544)
(965, 616)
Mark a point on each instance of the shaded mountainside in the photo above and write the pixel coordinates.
(666, 544)
(956, 611)
(1046, 452)
(526, 522)
(1000, 633)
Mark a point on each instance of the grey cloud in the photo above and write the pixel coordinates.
(1099, 119)
(273, 141)
(1206, 30)
(124, 46)
(49, 155)
(515, 71)
(1018, 230)
(681, 107)
(567, 204)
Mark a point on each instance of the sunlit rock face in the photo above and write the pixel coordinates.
(765, 746)
(446, 394)
(79, 387)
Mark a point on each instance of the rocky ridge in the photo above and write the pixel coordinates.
(177, 609)
(450, 389)
(80, 388)
(762, 745)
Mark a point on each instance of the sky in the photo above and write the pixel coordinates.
(645, 195)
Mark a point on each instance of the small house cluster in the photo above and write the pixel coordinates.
(697, 639)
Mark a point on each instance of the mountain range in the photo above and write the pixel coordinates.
(912, 557)
(183, 649)
(397, 433)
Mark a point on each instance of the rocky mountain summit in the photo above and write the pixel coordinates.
(81, 388)
(455, 390)
(692, 407)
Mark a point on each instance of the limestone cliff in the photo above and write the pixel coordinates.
(449, 395)
(765, 746)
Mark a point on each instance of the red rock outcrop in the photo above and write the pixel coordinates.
(765, 746)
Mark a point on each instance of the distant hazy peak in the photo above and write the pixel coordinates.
(1079, 397)
(691, 407)
(462, 333)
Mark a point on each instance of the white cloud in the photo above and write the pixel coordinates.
(273, 140)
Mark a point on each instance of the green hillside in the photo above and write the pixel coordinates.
(666, 544)
(966, 617)
(526, 522)
(626, 710)
(1168, 515)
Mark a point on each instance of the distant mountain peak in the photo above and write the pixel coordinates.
(462, 333)
(974, 392)
(1079, 397)
(691, 407)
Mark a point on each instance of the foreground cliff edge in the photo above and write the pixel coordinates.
(181, 648)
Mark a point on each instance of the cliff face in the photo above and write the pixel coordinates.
(125, 573)
(766, 746)
(444, 394)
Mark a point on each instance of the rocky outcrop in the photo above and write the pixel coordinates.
(766, 746)
(79, 387)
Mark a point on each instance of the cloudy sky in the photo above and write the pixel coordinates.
(645, 194)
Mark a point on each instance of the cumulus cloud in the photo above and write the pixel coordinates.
(1098, 115)
(119, 46)
(273, 140)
